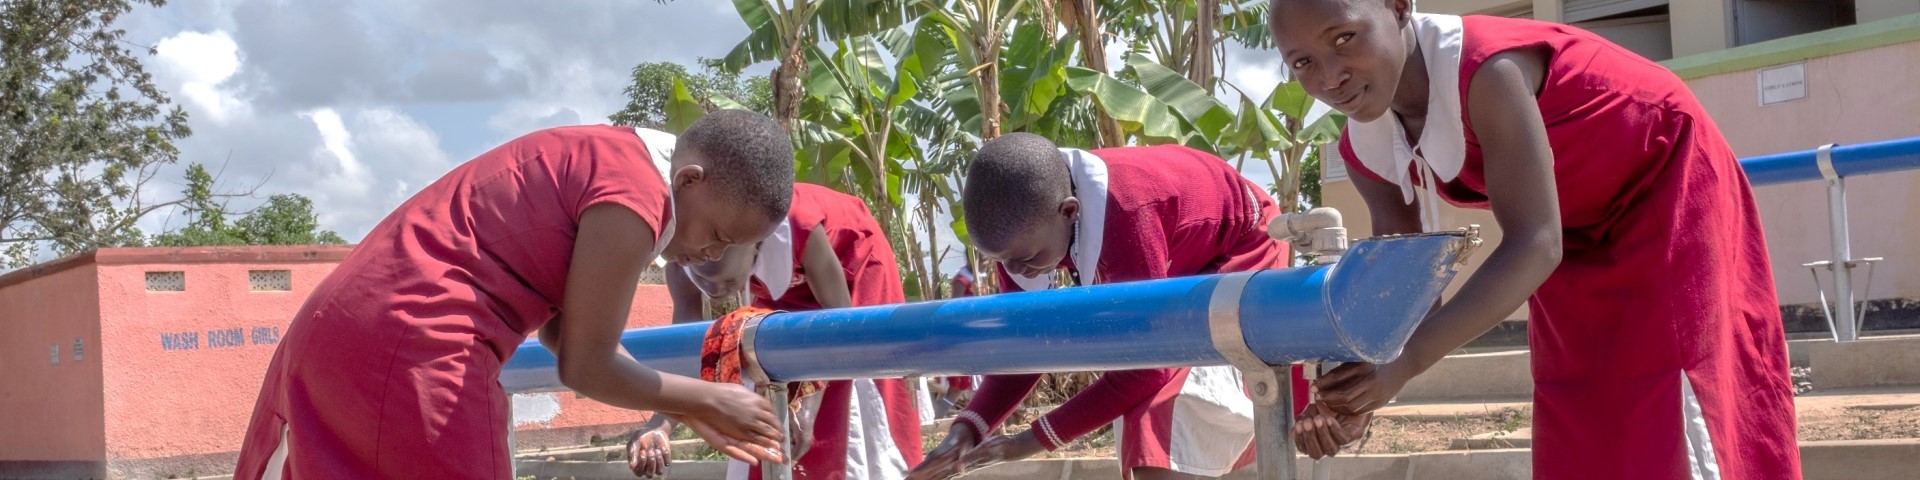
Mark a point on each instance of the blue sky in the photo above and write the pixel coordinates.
(358, 103)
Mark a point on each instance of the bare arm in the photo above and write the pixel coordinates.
(1390, 215)
(1521, 190)
(825, 275)
(608, 254)
(688, 303)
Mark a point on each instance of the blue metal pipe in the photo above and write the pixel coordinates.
(1848, 161)
(1362, 309)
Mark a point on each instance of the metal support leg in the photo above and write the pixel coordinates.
(1843, 309)
(1321, 471)
(783, 418)
(1271, 386)
(1273, 422)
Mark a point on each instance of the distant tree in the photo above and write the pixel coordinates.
(286, 219)
(652, 88)
(82, 128)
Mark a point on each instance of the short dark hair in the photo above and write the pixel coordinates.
(747, 155)
(1015, 181)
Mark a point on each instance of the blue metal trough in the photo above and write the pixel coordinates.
(1361, 309)
(1847, 160)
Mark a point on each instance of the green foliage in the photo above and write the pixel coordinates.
(285, 219)
(891, 97)
(651, 91)
(82, 127)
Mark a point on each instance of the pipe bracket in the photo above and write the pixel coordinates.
(1223, 326)
(1823, 158)
(750, 361)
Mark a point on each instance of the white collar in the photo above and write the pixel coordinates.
(1382, 144)
(773, 264)
(1089, 176)
(660, 146)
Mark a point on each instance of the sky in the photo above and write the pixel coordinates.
(358, 103)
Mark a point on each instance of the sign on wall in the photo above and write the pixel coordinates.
(1783, 83)
(1332, 167)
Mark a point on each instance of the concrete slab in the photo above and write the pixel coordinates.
(1888, 361)
(1867, 398)
(1860, 459)
(1846, 459)
(615, 470)
(1435, 412)
(1473, 376)
(607, 453)
(1512, 464)
(1520, 438)
(1062, 469)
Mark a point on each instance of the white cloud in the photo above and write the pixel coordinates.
(358, 104)
(360, 149)
(198, 63)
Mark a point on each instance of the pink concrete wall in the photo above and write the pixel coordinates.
(186, 366)
(572, 419)
(168, 380)
(50, 412)
(1852, 97)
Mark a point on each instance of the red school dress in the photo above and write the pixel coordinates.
(1658, 349)
(391, 368)
(1151, 213)
(866, 429)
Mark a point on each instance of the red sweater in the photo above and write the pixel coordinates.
(1172, 211)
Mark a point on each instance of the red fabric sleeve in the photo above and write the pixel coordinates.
(998, 396)
(614, 167)
(1113, 395)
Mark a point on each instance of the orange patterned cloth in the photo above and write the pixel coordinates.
(723, 361)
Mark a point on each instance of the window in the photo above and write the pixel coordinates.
(166, 281)
(270, 280)
(1756, 21)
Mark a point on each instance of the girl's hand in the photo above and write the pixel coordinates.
(944, 461)
(1002, 449)
(736, 422)
(1319, 432)
(1357, 388)
(649, 452)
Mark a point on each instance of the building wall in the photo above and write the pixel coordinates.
(1853, 96)
(1871, 10)
(168, 379)
(1646, 36)
(50, 401)
(186, 366)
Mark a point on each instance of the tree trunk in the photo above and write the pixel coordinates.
(786, 83)
(986, 48)
(1200, 53)
(932, 270)
(1093, 53)
(1287, 177)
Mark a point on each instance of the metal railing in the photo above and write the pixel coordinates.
(1833, 164)
(1361, 309)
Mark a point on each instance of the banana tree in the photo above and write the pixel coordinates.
(856, 132)
(935, 180)
(976, 31)
(783, 29)
(1084, 24)
(1167, 107)
(1187, 35)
